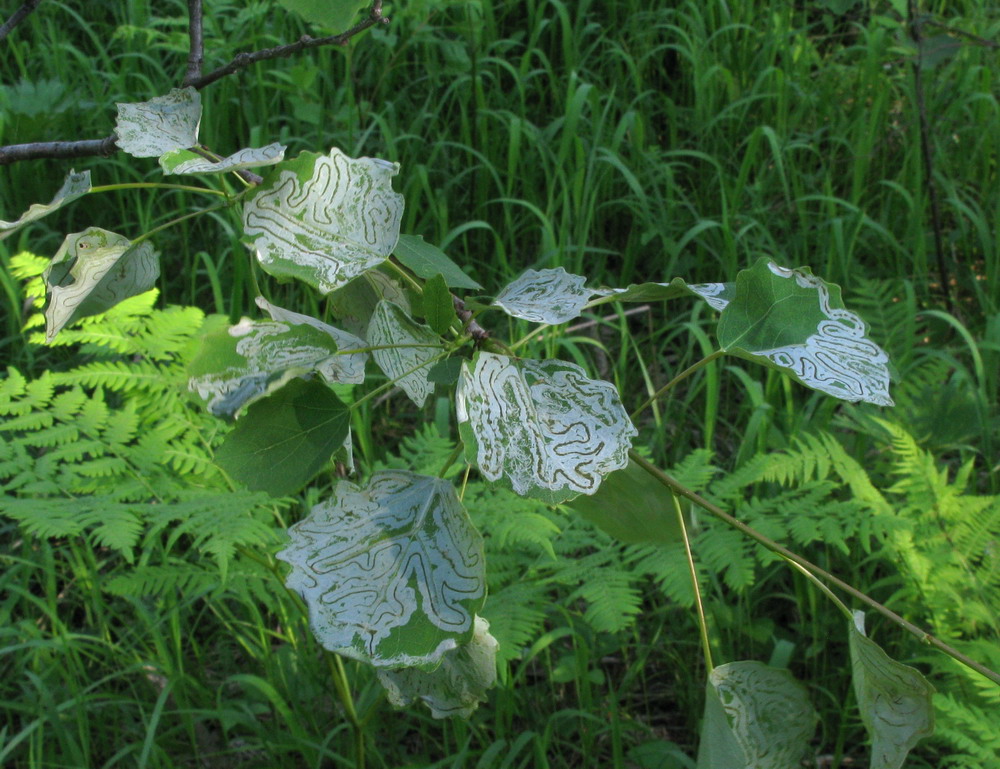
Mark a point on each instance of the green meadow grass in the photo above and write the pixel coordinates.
(625, 141)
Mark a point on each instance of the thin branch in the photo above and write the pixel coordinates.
(105, 147)
(84, 148)
(18, 16)
(244, 60)
(196, 38)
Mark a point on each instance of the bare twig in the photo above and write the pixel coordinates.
(197, 54)
(18, 16)
(105, 147)
(244, 60)
(925, 148)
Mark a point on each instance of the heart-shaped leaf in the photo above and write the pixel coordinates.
(545, 296)
(163, 124)
(426, 261)
(457, 686)
(393, 572)
(75, 185)
(756, 717)
(93, 271)
(284, 440)
(407, 350)
(239, 365)
(894, 699)
(187, 162)
(346, 367)
(543, 426)
(795, 322)
(324, 219)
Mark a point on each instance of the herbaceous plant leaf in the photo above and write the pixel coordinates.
(545, 296)
(75, 185)
(324, 219)
(756, 717)
(284, 440)
(795, 322)
(187, 162)
(335, 15)
(93, 271)
(163, 124)
(239, 365)
(717, 295)
(345, 367)
(631, 506)
(393, 571)
(427, 260)
(543, 426)
(459, 683)
(894, 699)
(409, 348)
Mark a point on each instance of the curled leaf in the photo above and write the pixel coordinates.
(75, 185)
(187, 162)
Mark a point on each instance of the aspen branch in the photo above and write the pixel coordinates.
(197, 41)
(18, 16)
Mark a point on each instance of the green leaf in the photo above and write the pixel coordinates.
(284, 440)
(426, 261)
(393, 572)
(756, 717)
(334, 15)
(545, 296)
(75, 185)
(438, 306)
(239, 365)
(793, 321)
(346, 367)
(543, 426)
(187, 162)
(457, 686)
(354, 304)
(409, 348)
(152, 128)
(445, 371)
(894, 699)
(93, 271)
(324, 219)
(631, 506)
(718, 295)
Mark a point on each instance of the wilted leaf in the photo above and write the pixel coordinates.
(426, 261)
(324, 220)
(393, 571)
(187, 162)
(284, 440)
(345, 367)
(457, 686)
(93, 271)
(543, 426)
(894, 699)
(152, 128)
(756, 717)
(408, 345)
(546, 296)
(75, 185)
(793, 321)
(242, 364)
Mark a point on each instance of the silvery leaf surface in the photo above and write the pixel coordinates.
(163, 124)
(75, 185)
(240, 365)
(717, 295)
(545, 296)
(186, 162)
(796, 322)
(756, 717)
(324, 219)
(895, 700)
(344, 367)
(393, 571)
(459, 683)
(544, 427)
(92, 272)
(407, 365)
